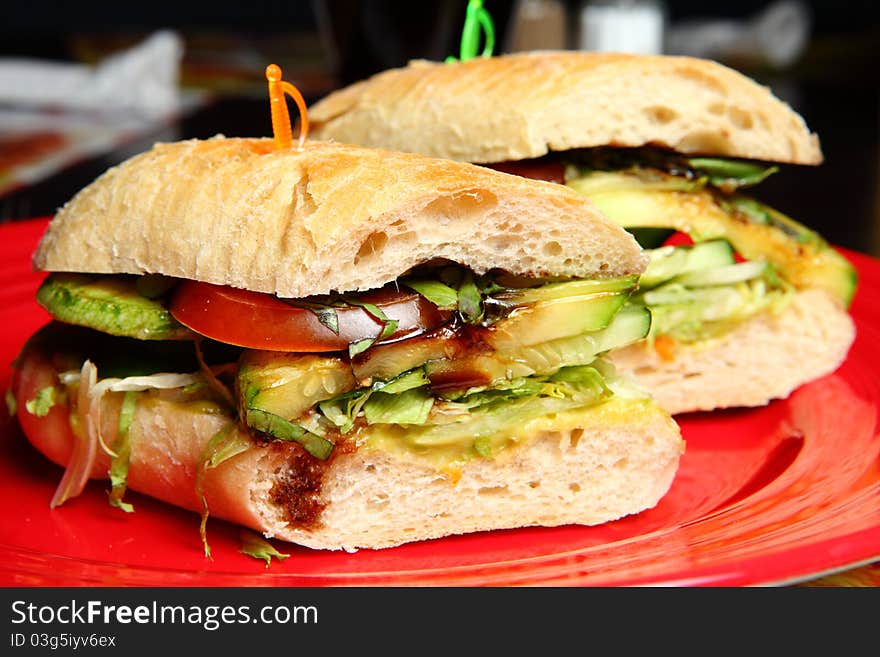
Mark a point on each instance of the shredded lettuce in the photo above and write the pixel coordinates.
(225, 444)
(482, 418)
(254, 545)
(119, 463)
(408, 407)
(343, 410)
(408, 400)
(689, 303)
(90, 404)
(42, 403)
(340, 418)
(160, 381)
(282, 429)
(483, 446)
(122, 449)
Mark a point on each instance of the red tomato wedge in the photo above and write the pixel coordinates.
(263, 321)
(678, 239)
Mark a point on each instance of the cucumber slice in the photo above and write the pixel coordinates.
(667, 262)
(288, 385)
(566, 289)
(385, 361)
(630, 325)
(110, 304)
(550, 320)
(758, 232)
(596, 182)
(727, 275)
(498, 351)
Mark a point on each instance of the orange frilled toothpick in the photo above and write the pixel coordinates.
(280, 117)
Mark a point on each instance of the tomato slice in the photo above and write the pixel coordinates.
(679, 238)
(262, 321)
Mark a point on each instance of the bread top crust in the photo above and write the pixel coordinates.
(329, 218)
(524, 105)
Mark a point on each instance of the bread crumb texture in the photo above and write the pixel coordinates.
(328, 218)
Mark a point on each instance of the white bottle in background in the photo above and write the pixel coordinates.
(633, 26)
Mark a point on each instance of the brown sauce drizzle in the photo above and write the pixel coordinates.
(297, 490)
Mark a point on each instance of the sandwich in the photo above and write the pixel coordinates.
(341, 347)
(748, 304)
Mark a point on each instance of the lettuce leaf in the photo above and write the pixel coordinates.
(42, 403)
(389, 326)
(731, 174)
(122, 453)
(282, 429)
(254, 545)
(408, 407)
(470, 301)
(225, 444)
(441, 295)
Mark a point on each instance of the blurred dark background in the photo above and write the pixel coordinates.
(833, 82)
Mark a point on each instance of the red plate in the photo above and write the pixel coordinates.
(763, 496)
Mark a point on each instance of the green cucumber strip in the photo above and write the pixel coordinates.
(667, 262)
(110, 304)
(727, 275)
(408, 380)
(630, 325)
(551, 291)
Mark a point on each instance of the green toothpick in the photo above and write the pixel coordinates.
(476, 20)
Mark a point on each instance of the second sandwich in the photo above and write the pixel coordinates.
(748, 304)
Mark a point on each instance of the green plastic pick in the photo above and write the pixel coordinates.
(477, 20)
